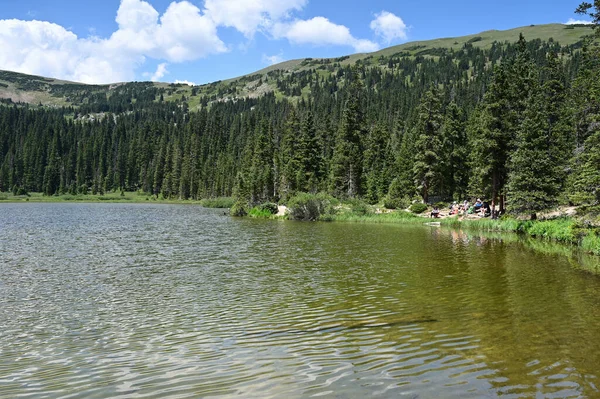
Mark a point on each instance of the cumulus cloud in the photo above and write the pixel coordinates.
(44, 48)
(248, 16)
(272, 59)
(573, 21)
(161, 71)
(182, 33)
(389, 27)
(319, 31)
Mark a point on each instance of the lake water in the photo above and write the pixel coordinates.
(160, 301)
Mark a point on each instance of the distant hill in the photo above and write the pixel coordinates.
(36, 90)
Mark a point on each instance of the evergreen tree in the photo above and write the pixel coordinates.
(586, 181)
(533, 183)
(428, 128)
(346, 163)
(455, 173)
(377, 164)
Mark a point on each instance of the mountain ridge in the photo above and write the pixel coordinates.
(32, 89)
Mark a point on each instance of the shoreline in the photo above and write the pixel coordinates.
(562, 230)
(565, 229)
(127, 198)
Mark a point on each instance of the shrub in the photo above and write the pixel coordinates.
(265, 210)
(257, 212)
(418, 207)
(441, 205)
(396, 203)
(239, 208)
(20, 191)
(312, 207)
(359, 208)
(270, 207)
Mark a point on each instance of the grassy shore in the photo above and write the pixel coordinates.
(567, 230)
(126, 197)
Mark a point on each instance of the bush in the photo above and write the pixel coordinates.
(441, 205)
(270, 207)
(240, 208)
(396, 203)
(259, 213)
(418, 207)
(265, 210)
(311, 207)
(359, 208)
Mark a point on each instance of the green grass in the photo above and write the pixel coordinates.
(136, 197)
(219, 202)
(591, 243)
(392, 217)
(258, 213)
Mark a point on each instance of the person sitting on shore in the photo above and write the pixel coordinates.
(435, 213)
(478, 205)
(486, 211)
(465, 208)
(456, 208)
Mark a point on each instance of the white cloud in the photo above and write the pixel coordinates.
(185, 82)
(248, 16)
(182, 33)
(319, 31)
(136, 15)
(272, 59)
(161, 70)
(389, 27)
(573, 21)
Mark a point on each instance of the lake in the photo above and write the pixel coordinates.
(172, 301)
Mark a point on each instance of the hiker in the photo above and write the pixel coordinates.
(486, 211)
(454, 208)
(478, 205)
(465, 207)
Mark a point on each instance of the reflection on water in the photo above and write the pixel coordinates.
(147, 301)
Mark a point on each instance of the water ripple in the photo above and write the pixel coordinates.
(147, 301)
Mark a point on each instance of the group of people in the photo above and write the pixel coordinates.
(481, 208)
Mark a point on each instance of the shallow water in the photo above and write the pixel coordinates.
(160, 301)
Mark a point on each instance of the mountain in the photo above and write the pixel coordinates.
(37, 90)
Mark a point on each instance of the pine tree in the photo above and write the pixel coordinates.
(261, 170)
(377, 163)
(533, 182)
(586, 181)
(346, 163)
(428, 128)
(51, 174)
(288, 157)
(455, 173)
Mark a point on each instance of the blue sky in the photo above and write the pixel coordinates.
(202, 41)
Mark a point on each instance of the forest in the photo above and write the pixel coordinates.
(517, 124)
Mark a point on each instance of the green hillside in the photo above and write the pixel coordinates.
(36, 90)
